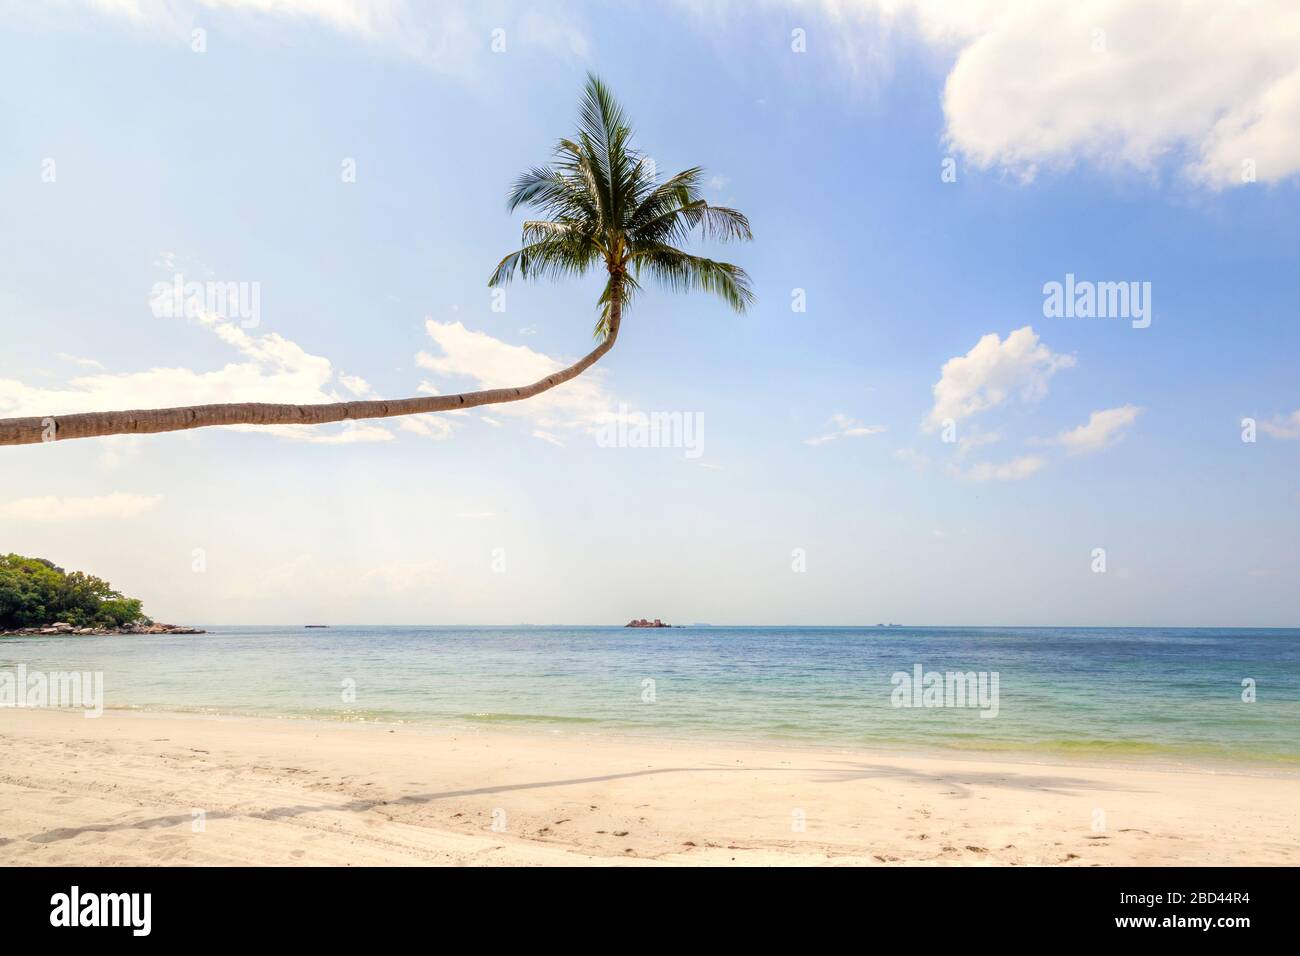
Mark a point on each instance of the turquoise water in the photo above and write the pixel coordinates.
(1160, 692)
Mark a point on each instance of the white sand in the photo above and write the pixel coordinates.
(123, 789)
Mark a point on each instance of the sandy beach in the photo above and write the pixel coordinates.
(174, 790)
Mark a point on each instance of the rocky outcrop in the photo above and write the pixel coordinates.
(63, 627)
(642, 622)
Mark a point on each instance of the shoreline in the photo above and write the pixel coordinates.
(125, 789)
(1097, 758)
(64, 629)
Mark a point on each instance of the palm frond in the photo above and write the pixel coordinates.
(602, 203)
(680, 271)
(603, 130)
(547, 258)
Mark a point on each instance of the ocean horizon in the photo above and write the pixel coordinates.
(1166, 694)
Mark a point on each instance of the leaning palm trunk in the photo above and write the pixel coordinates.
(27, 431)
(606, 208)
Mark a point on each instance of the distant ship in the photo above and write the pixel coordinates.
(315, 625)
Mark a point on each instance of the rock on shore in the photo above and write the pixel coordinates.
(63, 627)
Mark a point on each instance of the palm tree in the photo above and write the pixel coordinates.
(604, 206)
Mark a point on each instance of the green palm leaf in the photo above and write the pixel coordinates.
(603, 206)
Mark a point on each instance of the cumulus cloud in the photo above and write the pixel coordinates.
(1102, 429)
(1213, 87)
(1210, 88)
(1283, 426)
(487, 362)
(54, 509)
(990, 373)
(357, 385)
(271, 369)
(1118, 83)
(842, 426)
(1015, 470)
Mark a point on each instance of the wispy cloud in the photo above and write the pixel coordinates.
(1103, 428)
(453, 38)
(54, 509)
(842, 426)
(1015, 470)
(79, 360)
(1283, 426)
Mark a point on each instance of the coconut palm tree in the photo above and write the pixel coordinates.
(603, 205)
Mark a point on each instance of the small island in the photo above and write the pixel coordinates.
(642, 622)
(38, 597)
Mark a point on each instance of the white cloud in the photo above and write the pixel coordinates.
(1119, 83)
(1103, 428)
(431, 425)
(491, 363)
(842, 426)
(78, 360)
(450, 38)
(357, 385)
(990, 373)
(1014, 470)
(1204, 85)
(1283, 426)
(548, 437)
(976, 439)
(53, 509)
(350, 433)
(273, 369)
(277, 370)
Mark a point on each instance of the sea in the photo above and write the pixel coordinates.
(1200, 695)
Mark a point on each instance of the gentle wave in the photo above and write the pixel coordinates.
(1107, 692)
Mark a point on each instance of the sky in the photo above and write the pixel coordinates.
(903, 428)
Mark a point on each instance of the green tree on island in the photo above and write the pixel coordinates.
(604, 207)
(34, 592)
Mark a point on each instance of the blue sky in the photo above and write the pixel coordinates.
(1113, 157)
